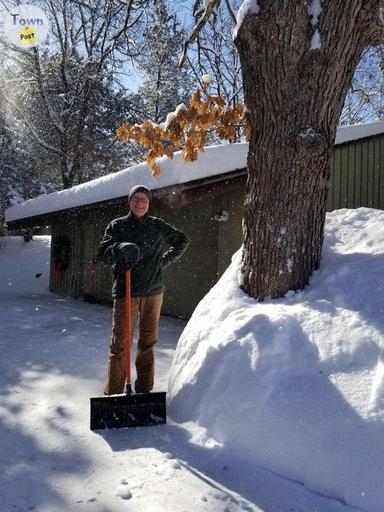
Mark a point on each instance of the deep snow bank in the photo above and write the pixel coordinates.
(297, 385)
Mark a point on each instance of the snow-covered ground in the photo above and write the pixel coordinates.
(265, 399)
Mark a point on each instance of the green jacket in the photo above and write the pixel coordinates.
(152, 235)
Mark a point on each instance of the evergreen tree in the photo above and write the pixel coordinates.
(19, 171)
(165, 85)
(65, 96)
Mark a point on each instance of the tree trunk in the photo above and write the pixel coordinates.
(294, 93)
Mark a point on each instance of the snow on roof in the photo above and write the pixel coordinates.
(358, 131)
(215, 160)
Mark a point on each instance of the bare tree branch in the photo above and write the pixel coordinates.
(210, 6)
(231, 11)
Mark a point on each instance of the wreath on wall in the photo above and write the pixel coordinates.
(61, 254)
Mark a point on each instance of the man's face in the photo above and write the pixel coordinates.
(139, 204)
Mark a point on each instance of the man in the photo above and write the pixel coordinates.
(138, 242)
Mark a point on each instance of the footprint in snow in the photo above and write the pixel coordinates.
(124, 493)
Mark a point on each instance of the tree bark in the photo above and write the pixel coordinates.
(294, 93)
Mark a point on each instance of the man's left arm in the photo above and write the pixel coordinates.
(178, 242)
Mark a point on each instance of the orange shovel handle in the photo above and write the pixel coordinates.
(128, 330)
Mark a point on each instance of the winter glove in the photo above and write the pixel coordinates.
(127, 255)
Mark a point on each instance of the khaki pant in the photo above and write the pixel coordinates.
(147, 309)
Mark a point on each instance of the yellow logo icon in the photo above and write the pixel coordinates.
(28, 36)
(25, 25)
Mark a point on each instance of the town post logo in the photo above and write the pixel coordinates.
(25, 25)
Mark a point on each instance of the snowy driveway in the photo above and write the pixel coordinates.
(53, 359)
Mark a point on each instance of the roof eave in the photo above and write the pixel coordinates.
(157, 194)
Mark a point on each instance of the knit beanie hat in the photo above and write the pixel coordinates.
(139, 188)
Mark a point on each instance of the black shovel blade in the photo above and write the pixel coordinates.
(122, 411)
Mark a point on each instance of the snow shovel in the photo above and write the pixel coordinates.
(128, 409)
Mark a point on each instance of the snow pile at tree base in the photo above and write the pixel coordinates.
(297, 385)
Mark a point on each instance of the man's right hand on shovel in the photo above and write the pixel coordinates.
(127, 256)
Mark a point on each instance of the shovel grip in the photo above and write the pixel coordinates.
(128, 327)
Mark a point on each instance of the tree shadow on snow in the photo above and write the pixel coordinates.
(43, 355)
(54, 358)
(30, 474)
